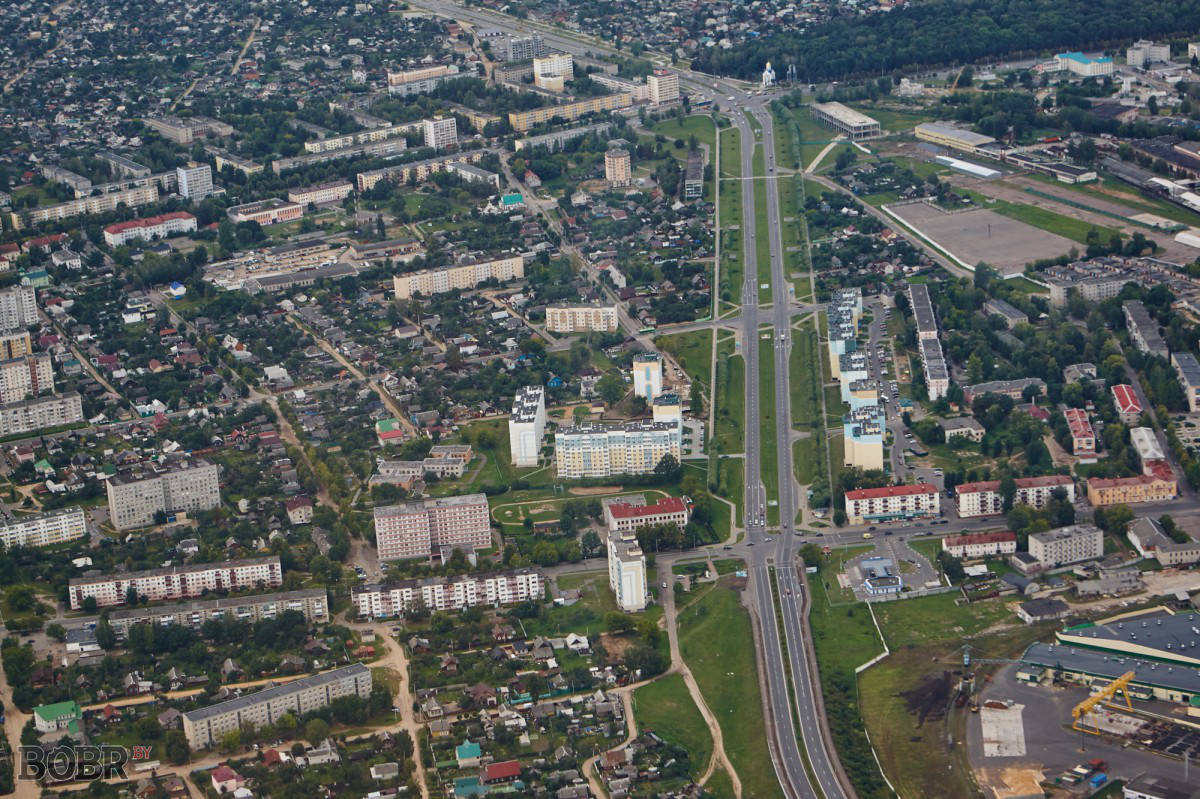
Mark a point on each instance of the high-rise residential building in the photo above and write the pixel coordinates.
(554, 65)
(18, 308)
(627, 571)
(581, 318)
(15, 343)
(25, 377)
(663, 85)
(40, 413)
(605, 449)
(183, 487)
(440, 132)
(429, 527)
(385, 600)
(863, 433)
(259, 709)
(891, 502)
(522, 48)
(647, 375)
(667, 408)
(177, 582)
(527, 426)
(194, 181)
(43, 529)
(1065, 545)
(618, 169)
(312, 603)
(1143, 53)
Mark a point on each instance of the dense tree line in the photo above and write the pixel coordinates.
(944, 33)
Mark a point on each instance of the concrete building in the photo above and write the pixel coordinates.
(1093, 282)
(1079, 64)
(445, 461)
(428, 282)
(57, 174)
(122, 166)
(933, 364)
(177, 582)
(312, 603)
(554, 65)
(1083, 438)
(490, 589)
(433, 527)
(1156, 487)
(473, 174)
(647, 375)
(581, 318)
(521, 48)
(1143, 329)
(628, 514)
(381, 148)
(18, 308)
(189, 486)
(1146, 444)
(208, 725)
(618, 167)
(863, 434)
(852, 124)
(1142, 53)
(522, 121)
(605, 449)
(134, 197)
(421, 80)
(416, 170)
(980, 545)
(627, 572)
(332, 192)
(693, 176)
(149, 228)
(1011, 315)
(43, 529)
(223, 158)
(186, 131)
(25, 377)
(527, 426)
(1128, 406)
(266, 212)
(1150, 540)
(1008, 388)
(15, 343)
(663, 85)
(668, 409)
(367, 136)
(984, 498)
(945, 134)
(440, 132)
(1067, 545)
(892, 502)
(194, 181)
(555, 140)
(1188, 371)
(962, 427)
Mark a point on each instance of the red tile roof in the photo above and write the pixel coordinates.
(891, 491)
(978, 538)
(508, 770)
(664, 505)
(1126, 399)
(148, 221)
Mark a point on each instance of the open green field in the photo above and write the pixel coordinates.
(699, 125)
(1065, 226)
(719, 785)
(1115, 191)
(665, 707)
(730, 397)
(892, 120)
(804, 377)
(730, 476)
(813, 135)
(767, 432)
(716, 641)
(729, 199)
(694, 353)
(807, 456)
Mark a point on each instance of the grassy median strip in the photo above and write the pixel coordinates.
(768, 428)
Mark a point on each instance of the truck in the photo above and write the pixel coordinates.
(1097, 780)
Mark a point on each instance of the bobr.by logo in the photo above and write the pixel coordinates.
(78, 763)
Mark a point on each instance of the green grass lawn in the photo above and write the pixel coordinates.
(716, 641)
(694, 353)
(1026, 286)
(665, 707)
(767, 435)
(719, 785)
(729, 198)
(730, 399)
(1122, 194)
(813, 136)
(1065, 226)
(804, 377)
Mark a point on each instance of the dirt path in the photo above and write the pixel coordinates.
(288, 434)
(590, 767)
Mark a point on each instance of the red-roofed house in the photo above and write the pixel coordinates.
(150, 227)
(496, 773)
(1128, 405)
(983, 498)
(623, 516)
(1083, 439)
(980, 545)
(892, 502)
(299, 510)
(45, 242)
(226, 780)
(9, 252)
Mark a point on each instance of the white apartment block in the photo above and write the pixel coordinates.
(194, 181)
(1067, 545)
(648, 375)
(663, 85)
(24, 377)
(892, 502)
(98, 204)
(18, 307)
(604, 450)
(208, 725)
(980, 545)
(527, 426)
(312, 603)
(149, 228)
(581, 318)
(429, 527)
(630, 513)
(983, 498)
(187, 486)
(554, 65)
(1143, 53)
(440, 132)
(627, 572)
(332, 192)
(618, 169)
(43, 529)
(416, 74)
(427, 282)
(368, 136)
(177, 582)
(492, 589)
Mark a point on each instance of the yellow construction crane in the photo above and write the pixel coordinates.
(1089, 705)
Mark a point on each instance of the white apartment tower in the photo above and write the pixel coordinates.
(441, 132)
(187, 486)
(648, 375)
(604, 450)
(194, 181)
(527, 426)
(663, 85)
(24, 377)
(618, 170)
(627, 571)
(427, 527)
(18, 307)
(554, 65)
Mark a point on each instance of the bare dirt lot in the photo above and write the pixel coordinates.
(981, 235)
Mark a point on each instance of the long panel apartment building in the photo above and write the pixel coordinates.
(522, 121)
(527, 426)
(581, 318)
(1065, 545)
(312, 603)
(892, 502)
(24, 377)
(492, 589)
(208, 725)
(1188, 371)
(1143, 329)
(42, 413)
(177, 582)
(428, 282)
(429, 527)
(187, 486)
(416, 170)
(43, 529)
(18, 308)
(984, 498)
(149, 228)
(133, 197)
(597, 449)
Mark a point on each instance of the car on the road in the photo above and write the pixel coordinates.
(726, 548)
(888, 532)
